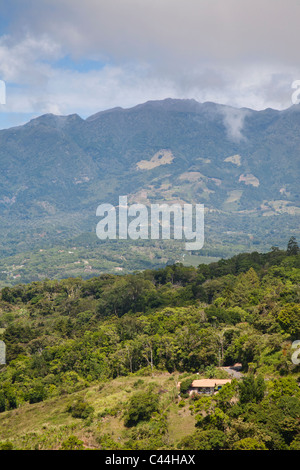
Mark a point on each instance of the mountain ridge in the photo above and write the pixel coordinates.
(159, 103)
(238, 162)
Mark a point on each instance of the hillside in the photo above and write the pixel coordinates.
(95, 363)
(243, 165)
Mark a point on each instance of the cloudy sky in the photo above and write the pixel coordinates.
(71, 56)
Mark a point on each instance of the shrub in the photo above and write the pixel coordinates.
(204, 440)
(184, 387)
(138, 383)
(249, 444)
(6, 446)
(251, 389)
(80, 409)
(36, 394)
(72, 443)
(295, 444)
(140, 408)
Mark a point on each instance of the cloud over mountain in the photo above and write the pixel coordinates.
(69, 56)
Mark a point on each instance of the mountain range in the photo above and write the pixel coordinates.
(242, 164)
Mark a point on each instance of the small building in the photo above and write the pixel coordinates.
(207, 386)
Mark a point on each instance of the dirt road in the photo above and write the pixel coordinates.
(234, 373)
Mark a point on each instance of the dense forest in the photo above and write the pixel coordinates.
(146, 331)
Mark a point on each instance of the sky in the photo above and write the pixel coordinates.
(71, 56)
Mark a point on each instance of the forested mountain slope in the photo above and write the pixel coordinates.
(243, 165)
(83, 354)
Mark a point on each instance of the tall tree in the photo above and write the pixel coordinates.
(292, 247)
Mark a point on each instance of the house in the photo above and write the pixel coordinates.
(207, 386)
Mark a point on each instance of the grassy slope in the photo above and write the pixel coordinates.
(46, 424)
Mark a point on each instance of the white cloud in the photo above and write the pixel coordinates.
(24, 61)
(189, 30)
(234, 123)
(240, 53)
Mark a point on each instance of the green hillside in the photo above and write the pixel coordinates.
(56, 170)
(95, 363)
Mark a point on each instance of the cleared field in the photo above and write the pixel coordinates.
(48, 424)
